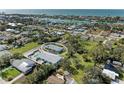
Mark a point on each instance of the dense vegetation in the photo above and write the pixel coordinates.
(40, 73)
(83, 52)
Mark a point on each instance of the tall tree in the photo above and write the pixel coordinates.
(99, 53)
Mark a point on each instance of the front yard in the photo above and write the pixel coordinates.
(10, 74)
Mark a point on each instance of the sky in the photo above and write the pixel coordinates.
(61, 4)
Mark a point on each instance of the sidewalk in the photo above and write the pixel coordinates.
(12, 81)
(16, 78)
(3, 81)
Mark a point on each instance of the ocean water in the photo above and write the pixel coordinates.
(77, 12)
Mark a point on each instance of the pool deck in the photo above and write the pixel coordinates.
(41, 50)
(26, 54)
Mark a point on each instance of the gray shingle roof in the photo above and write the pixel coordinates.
(24, 65)
(3, 47)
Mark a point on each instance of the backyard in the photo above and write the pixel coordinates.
(24, 48)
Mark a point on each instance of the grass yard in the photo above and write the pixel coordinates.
(78, 77)
(24, 48)
(10, 74)
(90, 45)
(87, 65)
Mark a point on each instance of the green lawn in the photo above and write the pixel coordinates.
(10, 74)
(24, 48)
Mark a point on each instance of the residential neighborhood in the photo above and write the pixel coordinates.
(61, 49)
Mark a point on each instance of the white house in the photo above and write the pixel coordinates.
(110, 74)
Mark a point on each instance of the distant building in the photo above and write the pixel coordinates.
(12, 24)
(57, 33)
(19, 24)
(99, 38)
(3, 47)
(85, 37)
(80, 30)
(3, 37)
(13, 31)
(114, 35)
(25, 33)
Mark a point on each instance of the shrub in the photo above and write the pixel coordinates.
(17, 56)
(73, 70)
(9, 78)
(80, 66)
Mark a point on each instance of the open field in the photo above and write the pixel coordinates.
(90, 45)
(78, 77)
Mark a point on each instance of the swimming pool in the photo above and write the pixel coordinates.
(47, 57)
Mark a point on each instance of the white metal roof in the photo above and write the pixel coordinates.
(110, 74)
